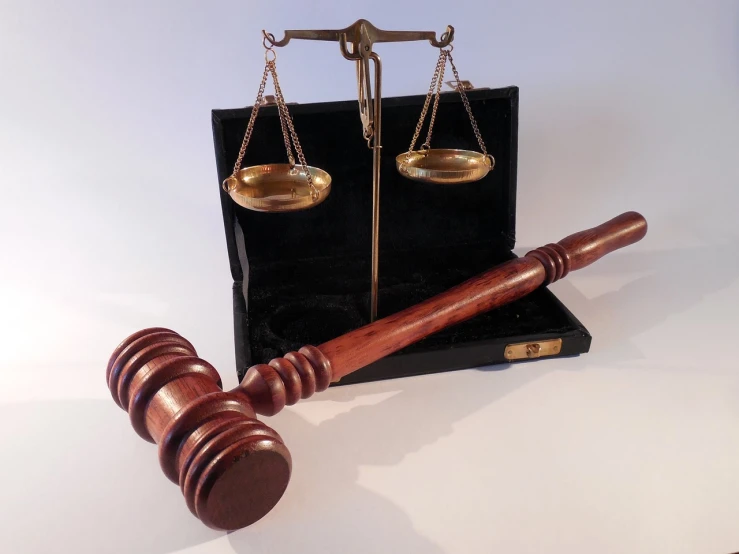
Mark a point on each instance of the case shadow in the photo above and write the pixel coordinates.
(676, 281)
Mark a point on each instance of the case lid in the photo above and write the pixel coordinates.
(414, 217)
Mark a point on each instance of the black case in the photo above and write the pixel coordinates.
(304, 277)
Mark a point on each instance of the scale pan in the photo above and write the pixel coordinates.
(278, 187)
(444, 166)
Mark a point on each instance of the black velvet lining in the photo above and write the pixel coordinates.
(307, 274)
(302, 308)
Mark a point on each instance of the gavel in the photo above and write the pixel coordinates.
(231, 467)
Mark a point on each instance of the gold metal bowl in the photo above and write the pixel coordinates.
(444, 166)
(278, 187)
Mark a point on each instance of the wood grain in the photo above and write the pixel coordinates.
(233, 469)
(209, 440)
(484, 292)
(493, 288)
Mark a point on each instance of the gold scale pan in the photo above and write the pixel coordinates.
(297, 186)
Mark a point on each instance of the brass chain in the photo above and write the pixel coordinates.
(286, 120)
(437, 82)
(252, 119)
(467, 107)
(281, 112)
(286, 123)
(424, 111)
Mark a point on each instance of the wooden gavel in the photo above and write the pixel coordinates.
(232, 468)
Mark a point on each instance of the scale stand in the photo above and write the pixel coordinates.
(356, 43)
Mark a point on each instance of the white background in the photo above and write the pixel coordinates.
(109, 222)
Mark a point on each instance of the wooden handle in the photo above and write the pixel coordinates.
(586, 247)
(232, 468)
(495, 287)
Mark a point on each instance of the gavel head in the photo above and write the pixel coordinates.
(232, 468)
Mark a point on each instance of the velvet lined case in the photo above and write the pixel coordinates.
(304, 277)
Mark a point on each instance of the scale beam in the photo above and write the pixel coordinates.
(357, 44)
(364, 29)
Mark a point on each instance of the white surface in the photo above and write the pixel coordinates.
(624, 105)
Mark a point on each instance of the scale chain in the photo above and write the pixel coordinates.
(286, 120)
(426, 104)
(436, 84)
(281, 111)
(286, 123)
(439, 83)
(252, 120)
(467, 107)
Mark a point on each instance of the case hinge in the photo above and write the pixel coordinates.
(466, 85)
(524, 350)
(271, 100)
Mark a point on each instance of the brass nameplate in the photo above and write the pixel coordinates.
(524, 350)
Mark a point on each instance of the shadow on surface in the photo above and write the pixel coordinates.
(676, 281)
(325, 506)
(78, 479)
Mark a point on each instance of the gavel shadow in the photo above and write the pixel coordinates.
(325, 504)
(76, 478)
(665, 284)
(670, 282)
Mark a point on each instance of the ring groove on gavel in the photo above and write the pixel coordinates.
(231, 467)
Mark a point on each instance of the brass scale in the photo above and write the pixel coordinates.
(297, 186)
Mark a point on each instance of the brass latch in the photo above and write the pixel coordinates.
(271, 100)
(466, 85)
(523, 350)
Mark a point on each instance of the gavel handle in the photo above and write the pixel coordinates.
(500, 285)
(232, 468)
